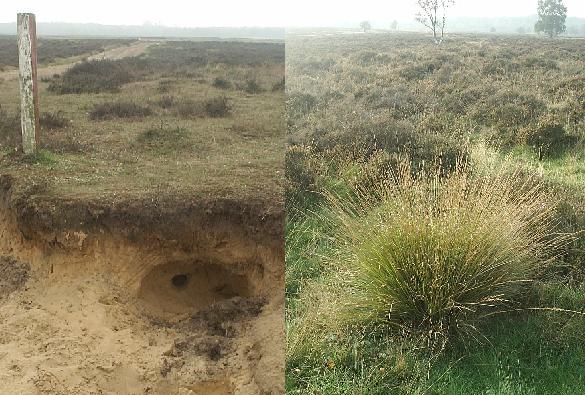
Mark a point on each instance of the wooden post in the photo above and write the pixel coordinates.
(29, 94)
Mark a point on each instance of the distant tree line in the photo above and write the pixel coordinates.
(551, 20)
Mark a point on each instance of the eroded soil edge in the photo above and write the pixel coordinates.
(139, 297)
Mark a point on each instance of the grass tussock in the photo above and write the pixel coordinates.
(221, 83)
(214, 107)
(251, 86)
(432, 254)
(119, 109)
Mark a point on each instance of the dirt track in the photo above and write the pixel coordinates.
(125, 51)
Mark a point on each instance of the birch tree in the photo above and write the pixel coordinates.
(433, 14)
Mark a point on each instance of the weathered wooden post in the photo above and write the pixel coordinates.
(29, 94)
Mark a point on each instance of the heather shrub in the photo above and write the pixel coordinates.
(118, 109)
(97, 76)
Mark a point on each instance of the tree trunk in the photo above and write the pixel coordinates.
(438, 40)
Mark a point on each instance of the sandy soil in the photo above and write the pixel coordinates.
(94, 311)
(84, 334)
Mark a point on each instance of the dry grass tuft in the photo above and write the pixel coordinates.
(431, 253)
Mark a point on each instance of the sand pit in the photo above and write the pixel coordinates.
(100, 308)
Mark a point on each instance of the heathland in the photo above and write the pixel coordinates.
(192, 117)
(434, 231)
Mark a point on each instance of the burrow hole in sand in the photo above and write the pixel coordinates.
(180, 287)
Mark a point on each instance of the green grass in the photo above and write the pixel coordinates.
(532, 353)
(41, 157)
(520, 359)
(306, 244)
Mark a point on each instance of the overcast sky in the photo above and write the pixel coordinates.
(254, 12)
